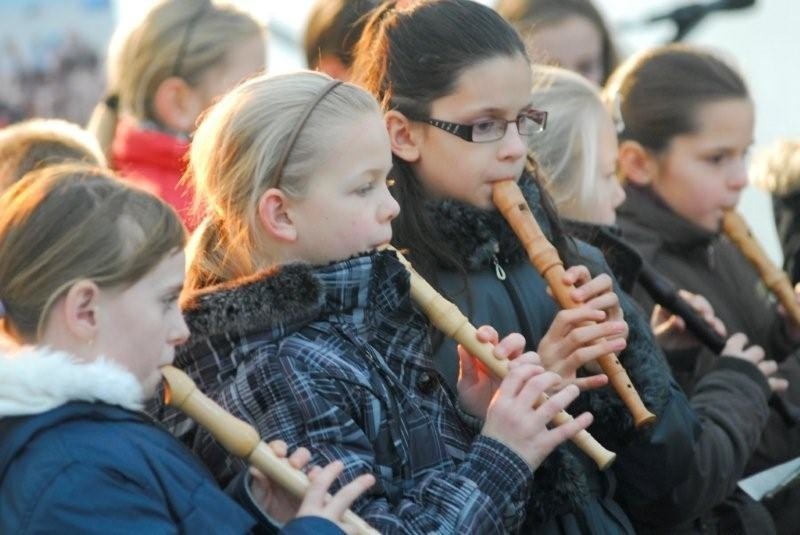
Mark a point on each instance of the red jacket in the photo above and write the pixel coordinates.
(155, 161)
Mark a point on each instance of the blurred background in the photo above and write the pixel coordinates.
(52, 63)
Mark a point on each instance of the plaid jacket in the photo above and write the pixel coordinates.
(337, 359)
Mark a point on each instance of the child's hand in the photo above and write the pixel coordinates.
(755, 354)
(476, 384)
(316, 502)
(597, 293)
(278, 503)
(282, 506)
(512, 420)
(670, 330)
(574, 340)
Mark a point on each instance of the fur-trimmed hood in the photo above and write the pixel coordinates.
(34, 380)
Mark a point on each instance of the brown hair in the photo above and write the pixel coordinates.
(408, 58)
(334, 27)
(36, 143)
(65, 223)
(182, 38)
(528, 15)
(658, 92)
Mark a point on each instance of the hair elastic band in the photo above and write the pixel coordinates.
(112, 101)
(2, 309)
(616, 113)
(299, 127)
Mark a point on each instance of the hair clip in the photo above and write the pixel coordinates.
(616, 113)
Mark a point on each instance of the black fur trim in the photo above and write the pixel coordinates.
(560, 485)
(287, 294)
(477, 235)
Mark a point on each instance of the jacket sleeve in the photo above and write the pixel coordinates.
(653, 461)
(311, 525)
(84, 498)
(731, 404)
(485, 493)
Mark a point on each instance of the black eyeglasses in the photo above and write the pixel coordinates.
(529, 122)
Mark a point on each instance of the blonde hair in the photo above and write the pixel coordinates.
(568, 150)
(70, 222)
(777, 168)
(235, 154)
(36, 143)
(183, 38)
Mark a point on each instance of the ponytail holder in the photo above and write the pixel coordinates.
(616, 113)
(287, 149)
(2, 309)
(112, 102)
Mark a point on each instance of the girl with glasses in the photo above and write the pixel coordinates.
(456, 61)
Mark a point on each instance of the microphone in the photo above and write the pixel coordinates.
(688, 16)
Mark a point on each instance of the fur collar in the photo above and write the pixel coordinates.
(285, 298)
(34, 380)
(478, 236)
(289, 295)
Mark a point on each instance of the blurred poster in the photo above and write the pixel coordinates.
(52, 60)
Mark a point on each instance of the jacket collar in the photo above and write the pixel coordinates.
(643, 207)
(134, 144)
(34, 380)
(479, 236)
(361, 290)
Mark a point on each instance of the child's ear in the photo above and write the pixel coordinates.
(176, 104)
(636, 164)
(81, 309)
(403, 136)
(275, 217)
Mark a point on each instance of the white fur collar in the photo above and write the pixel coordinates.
(34, 380)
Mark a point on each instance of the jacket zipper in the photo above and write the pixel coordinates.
(498, 269)
(516, 302)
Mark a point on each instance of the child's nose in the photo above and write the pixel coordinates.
(738, 179)
(390, 208)
(180, 332)
(513, 145)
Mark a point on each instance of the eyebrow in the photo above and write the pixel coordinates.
(492, 110)
(372, 171)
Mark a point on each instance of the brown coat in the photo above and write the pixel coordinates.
(707, 263)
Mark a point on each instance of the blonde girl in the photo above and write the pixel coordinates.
(36, 143)
(300, 326)
(90, 274)
(162, 73)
